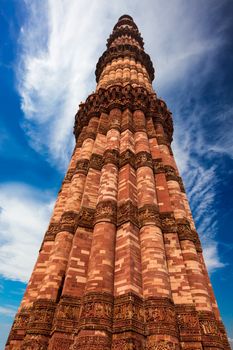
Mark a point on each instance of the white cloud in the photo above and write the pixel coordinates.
(211, 256)
(24, 216)
(59, 46)
(231, 342)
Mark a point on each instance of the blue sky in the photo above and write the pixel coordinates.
(48, 52)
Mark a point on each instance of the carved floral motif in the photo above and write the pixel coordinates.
(69, 221)
(106, 211)
(143, 158)
(148, 214)
(82, 166)
(127, 211)
(96, 161)
(111, 156)
(168, 222)
(126, 97)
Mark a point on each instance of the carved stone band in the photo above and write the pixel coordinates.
(69, 221)
(52, 231)
(211, 334)
(82, 166)
(97, 308)
(143, 158)
(41, 317)
(67, 314)
(127, 157)
(20, 324)
(160, 316)
(86, 217)
(184, 230)
(96, 161)
(149, 215)
(197, 241)
(69, 175)
(168, 222)
(127, 212)
(158, 166)
(171, 173)
(188, 323)
(127, 97)
(106, 211)
(111, 156)
(129, 313)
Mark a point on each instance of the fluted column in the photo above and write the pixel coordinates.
(128, 320)
(68, 310)
(44, 306)
(98, 299)
(159, 308)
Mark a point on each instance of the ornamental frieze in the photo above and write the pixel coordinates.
(33, 342)
(20, 324)
(168, 222)
(129, 313)
(197, 241)
(127, 157)
(106, 211)
(96, 161)
(122, 97)
(86, 217)
(97, 309)
(211, 334)
(160, 316)
(69, 175)
(41, 317)
(67, 314)
(149, 215)
(61, 343)
(154, 344)
(143, 158)
(68, 221)
(21, 318)
(127, 212)
(111, 156)
(91, 343)
(158, 166)
(52, 231)
(82, 166)
(170, 173)
(208, 323)
(184, 230)
(188, 323)
(127, 344)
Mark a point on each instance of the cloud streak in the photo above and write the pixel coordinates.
(24, 216)
(59, 46)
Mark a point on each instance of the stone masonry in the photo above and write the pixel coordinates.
(121, 264)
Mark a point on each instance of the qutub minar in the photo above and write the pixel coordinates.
(121, 264)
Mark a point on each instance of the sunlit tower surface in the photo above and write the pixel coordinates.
(121, 264)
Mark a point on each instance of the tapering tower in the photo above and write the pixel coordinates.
(121, 264)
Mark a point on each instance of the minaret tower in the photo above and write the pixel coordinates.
(121, 265)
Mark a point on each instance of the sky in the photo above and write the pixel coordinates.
(48, 53)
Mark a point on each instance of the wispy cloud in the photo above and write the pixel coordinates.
(24, 216)
(8, 311)
(59, 45)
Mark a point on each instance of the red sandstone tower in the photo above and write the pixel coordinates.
(121, 265)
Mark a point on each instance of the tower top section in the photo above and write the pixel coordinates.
(125, 41)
